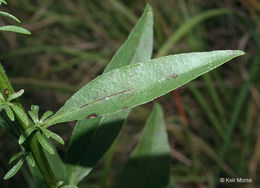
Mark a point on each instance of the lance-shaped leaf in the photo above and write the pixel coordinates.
(149, 163)
(14, 170)
(20, 113)
(16, 156)
(15, 29)
(50, 134)
(45, 144)
(9, 112)
(84, 153)
(26, 134)
(15, 95)
(9, 16)
(140, 83)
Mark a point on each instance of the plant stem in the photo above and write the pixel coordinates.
(33, 143)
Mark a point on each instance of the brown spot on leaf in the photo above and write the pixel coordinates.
(92, 116)
(174, 75)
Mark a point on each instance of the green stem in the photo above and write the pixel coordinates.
(33, 144)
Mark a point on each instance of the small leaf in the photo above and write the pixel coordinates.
(9, 112)
(15, 95)
(69, 186)
(33, 116)
(136, 84)
(46, 132)
(53, 135)
(45, 144)
(149, 163)
(26, 134)
(14, 170)
(30, 159)
(15, 29)
(35, 110)
(9, 16)
(45, 116)
(16, 156)
(20, 113)
(2, 99)
(3, 1)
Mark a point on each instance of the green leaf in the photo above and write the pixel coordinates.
(30, 159)
(16, 156)
(20, 113)
(46, 115)
(9, 16)
(15, 95)
(69, 186)
(149, 163)
(53, 135)
(34, 118)
(56, 164)
(15, 29)
(139, 45)
(45, 144)
(9, 112)
(14, 170)
(140, 83)
(3, 1)
(2, 99)
(35, 110)
(89, 142)
(95, 136)
(26, 134)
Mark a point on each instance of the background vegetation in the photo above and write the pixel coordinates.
(213, 122)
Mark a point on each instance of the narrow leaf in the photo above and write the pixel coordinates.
(26, 134)
(92, 138)
(53, 135)
(46, 115)
(14, 170)
(33, 116)
(9, 112)
(15, 95)
(139, 45)
(69, 186)
(15, 29)
(2, 99)
(45, 144)
(20, 113)
(149, 163)
(16, 156)
(140, 83)
(35, 110)
(9, 16)
(30, 159)
(3, 1)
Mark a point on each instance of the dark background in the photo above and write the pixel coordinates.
(73, 41)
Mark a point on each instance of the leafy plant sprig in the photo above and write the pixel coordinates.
(11, 108)
(22, 155)
(12, 28)
(39, 129)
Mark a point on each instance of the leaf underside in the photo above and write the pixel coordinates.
(140, 83)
